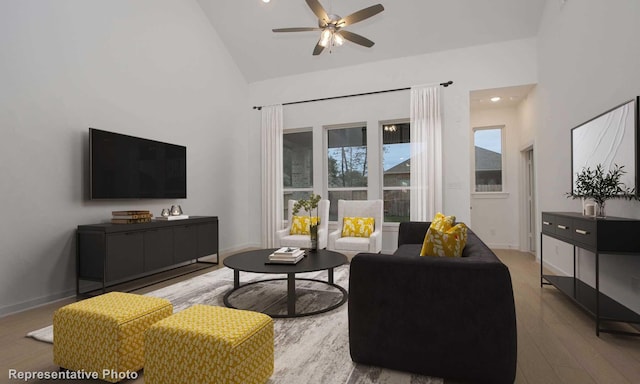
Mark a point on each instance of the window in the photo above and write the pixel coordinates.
(488, 159)
(347, 172)
(396, 152)
(297, 162)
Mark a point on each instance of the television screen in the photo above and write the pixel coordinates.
(127, 167)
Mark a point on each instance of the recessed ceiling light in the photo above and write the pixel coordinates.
(266, 1)
(495, 99)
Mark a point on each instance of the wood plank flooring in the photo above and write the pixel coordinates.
(556, 339)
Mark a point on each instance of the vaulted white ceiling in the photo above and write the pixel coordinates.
(405, 28)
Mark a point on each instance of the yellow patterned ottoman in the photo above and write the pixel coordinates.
(205, 345)
(105, 334)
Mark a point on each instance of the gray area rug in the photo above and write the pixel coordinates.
(312, 349)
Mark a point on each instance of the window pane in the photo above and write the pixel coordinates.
(396, 150)
(334, 196)
(347, 157)
(292, 195)
(488, 160)
(396, 205)
(297, 160)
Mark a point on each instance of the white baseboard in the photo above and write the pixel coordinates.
(34, 303)
(555, 270)
(503, 246)
(48, 299)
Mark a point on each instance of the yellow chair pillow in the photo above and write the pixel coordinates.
(300, 225)
(448, 243)
(358, 226)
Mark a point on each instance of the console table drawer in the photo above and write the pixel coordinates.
(564, 227)
(585, 231)
(548, 223)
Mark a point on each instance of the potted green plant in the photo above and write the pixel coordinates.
(600, 186)
(308, 205)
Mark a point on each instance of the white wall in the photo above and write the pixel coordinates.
(481, 67)
(493, 218)
(588, 63)
(149, 68)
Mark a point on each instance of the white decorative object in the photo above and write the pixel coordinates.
(589, 210)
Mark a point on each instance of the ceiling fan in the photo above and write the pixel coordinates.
(331, 26)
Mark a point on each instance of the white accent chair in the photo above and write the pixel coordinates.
(285, 239)
(358, 208)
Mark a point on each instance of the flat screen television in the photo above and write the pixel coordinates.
(127, 167)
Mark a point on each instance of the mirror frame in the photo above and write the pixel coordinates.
(635, 144)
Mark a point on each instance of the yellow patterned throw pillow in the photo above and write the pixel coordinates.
(358, 226)
(300, 225)
(443, 238)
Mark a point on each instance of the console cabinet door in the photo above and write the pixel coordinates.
(158, 249)
(185, 243)
(208, 239)
(124, 255)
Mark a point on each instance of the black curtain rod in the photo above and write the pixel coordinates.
(445, 84)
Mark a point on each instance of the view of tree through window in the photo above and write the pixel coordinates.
(297, 164)
(346, 166)
(488, 159)
(396, 152)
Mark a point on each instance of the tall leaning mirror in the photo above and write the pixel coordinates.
(609, 138)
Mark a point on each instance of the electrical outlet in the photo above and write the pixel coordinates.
(635, 285)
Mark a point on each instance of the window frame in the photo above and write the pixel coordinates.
(308, 190)
(325, 159)
(383, 188)
(503, 160)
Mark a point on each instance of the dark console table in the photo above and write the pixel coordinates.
(115, 253)
(602, 236)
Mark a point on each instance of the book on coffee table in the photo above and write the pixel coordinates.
(286, 260)
(286, 255)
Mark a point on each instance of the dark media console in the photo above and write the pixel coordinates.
(115, 253)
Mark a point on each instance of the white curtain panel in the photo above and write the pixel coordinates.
(426, 152)
(271, 153)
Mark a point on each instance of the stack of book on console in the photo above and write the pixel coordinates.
(130, 217)
(286, 255)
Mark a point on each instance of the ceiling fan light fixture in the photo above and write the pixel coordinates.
(325, 37)
(337, 39)
(331, 26)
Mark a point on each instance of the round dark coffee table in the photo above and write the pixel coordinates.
(257, 261)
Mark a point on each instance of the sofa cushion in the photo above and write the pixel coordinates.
(448, 243)
(358, 226)
(440, 223)
(408, 250)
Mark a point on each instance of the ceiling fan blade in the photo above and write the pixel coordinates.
(318, 49)
(360, 15)
(355, 38)
(317, 8)
(300, 29)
